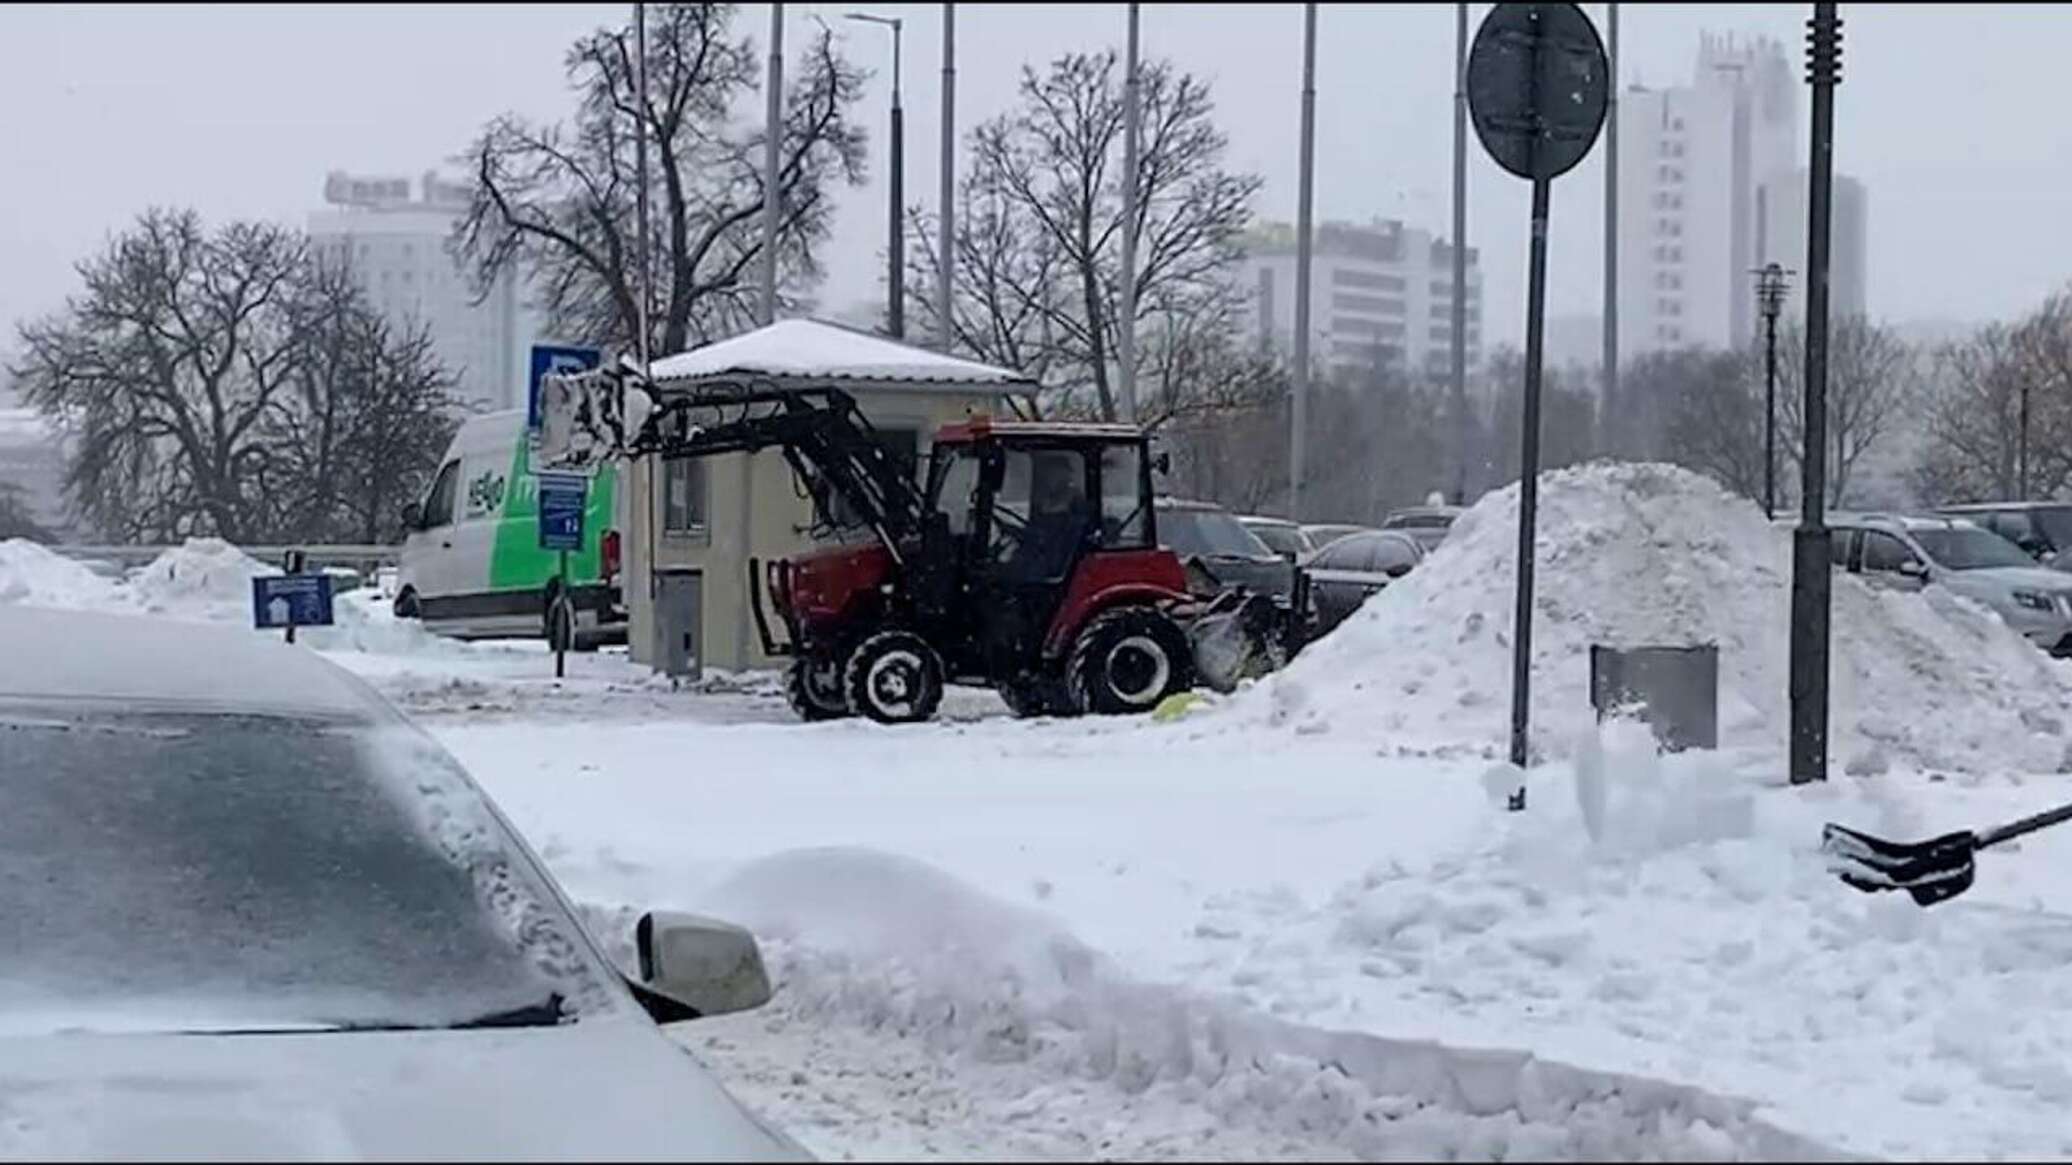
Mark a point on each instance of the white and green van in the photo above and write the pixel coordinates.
(472, 566)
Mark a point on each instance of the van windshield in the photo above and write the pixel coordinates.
(1959, 549)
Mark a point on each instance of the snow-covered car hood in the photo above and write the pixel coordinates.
(604, 1089)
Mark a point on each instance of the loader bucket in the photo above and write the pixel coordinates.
(1235, 638)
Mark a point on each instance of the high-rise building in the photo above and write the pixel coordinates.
(1380, 294)
(1782, 240)
(398, 248)
(1692, 159)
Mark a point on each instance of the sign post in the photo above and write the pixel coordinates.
(1538, 85)
(562, 500)
(291, 600)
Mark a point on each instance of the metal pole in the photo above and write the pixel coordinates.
(2021, 479)
(1126, 326)
(1460, 252)
(1528, 489)
(641, 179)
(895, 258)
(773, 120)
(1812, 571)
(1299, 405)
(1770, 413)
(946, 227)
(1611, 219)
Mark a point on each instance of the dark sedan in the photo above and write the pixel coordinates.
(1343, 574)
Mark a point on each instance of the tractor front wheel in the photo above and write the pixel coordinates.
(1128, 660)
(894, 677)
(813, 686)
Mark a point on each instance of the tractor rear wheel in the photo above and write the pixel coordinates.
(813, 686)
(1127, 660)
(893, 677)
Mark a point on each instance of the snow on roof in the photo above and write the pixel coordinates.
(811, 349)
(63, 656)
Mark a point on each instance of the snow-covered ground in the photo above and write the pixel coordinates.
(1297, 923)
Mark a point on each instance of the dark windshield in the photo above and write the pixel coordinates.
(1208, 534)
(197, 872)
(2056, 524)
(1279, 539)
(1960, 549)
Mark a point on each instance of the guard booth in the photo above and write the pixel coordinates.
(692, 525)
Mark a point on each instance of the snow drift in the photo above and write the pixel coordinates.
(898, 947)
(34, 577)
(1649, 554)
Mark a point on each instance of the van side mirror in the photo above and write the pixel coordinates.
(710, 966)
(413, 516)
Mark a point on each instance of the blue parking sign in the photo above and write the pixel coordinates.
(563, 497)
(549, 358)
(291, 600)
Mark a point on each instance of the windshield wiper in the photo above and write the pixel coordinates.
(546, 1013)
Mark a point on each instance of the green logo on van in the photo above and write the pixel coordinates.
(485, 493)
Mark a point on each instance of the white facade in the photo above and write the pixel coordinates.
(1782, 240)
(398, 248)
(1692, 161)
(1381, 292)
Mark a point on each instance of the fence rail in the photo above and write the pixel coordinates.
(342, 553)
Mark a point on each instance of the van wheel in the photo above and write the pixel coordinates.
(406, 605)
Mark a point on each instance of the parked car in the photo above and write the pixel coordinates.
(1281, 536)
(2043, 529)
(253, 912)
(1322, 534)
(1212, 542)
(472, 566)
(1346, 573)
(1428, 524)
(1909, 553)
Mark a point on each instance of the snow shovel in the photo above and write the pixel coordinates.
(1932, 870)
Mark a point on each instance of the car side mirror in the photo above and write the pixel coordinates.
(413, 516)
(709, 966)
(1914, 568)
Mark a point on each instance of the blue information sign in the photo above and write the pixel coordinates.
(563, 497)
(291, 600)
(548, 358)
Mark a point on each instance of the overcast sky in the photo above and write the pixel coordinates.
(1951, 115)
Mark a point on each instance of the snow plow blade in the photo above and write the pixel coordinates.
(1932, 871)
(1235, 637)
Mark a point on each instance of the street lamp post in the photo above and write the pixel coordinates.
(1771, 282)
(895, 247)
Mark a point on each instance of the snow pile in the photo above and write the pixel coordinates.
(35, 577)
(203, 578)
(1646, 554)
(1671, 916)
(895, 946)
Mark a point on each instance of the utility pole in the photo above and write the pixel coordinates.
(1771, 282)
(946, 223)
(773, 115)
(895, 245)
(1298, 412)
(640, 211)
(2021, 459)
(1611, 219)
(1811, 568)
(1126, 327)
(1460, 253)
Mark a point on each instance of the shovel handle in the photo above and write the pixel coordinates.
(2031, 824)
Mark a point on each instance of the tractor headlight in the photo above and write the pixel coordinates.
(2034, 600)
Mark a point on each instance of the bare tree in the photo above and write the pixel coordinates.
(18, 517)
(558, 202)
(1713, 414)
(1037, 257)
(166, 370)
(1973, 389)
(226, 383)
(1872, 379)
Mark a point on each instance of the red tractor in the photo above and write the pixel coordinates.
(1025, 559)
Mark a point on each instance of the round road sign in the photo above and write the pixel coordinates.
(1538, 84)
